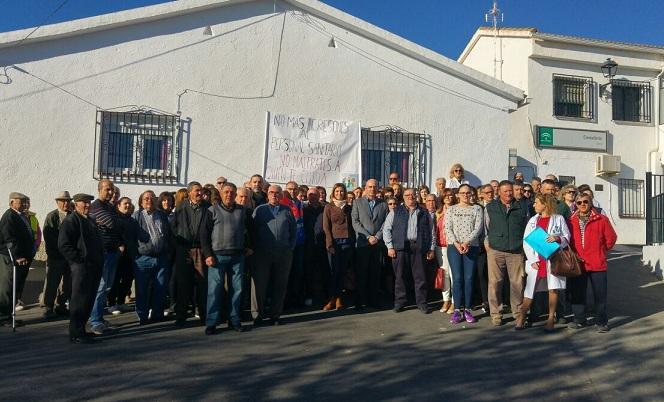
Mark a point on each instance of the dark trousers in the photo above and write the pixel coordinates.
(483, 276)
(21, 277)
(296, 291)
(316, 273)
(84, 283)
(57, 271)
(270, 266)
(6, 284)
(190, 283)
(410, 259)
(595, 282)
(367, 267)
(339, 262)
(124, 276)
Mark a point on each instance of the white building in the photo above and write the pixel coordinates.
(573, 124)
(204, 73)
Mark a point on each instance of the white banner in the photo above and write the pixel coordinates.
(310, 151)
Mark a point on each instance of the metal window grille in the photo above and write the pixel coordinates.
(631, 101)
(137, 147)
(389, 151)
(631, 198)
(573, 96)
(654, 208)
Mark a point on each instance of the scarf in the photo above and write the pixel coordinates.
(339, 204)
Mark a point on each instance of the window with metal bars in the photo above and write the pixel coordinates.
(631, 100)
(136, 146)
(573, 97)
(387, 151)
(631, 198)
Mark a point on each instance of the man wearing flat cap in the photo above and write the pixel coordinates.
(81, 245)
(57, 268)
(15, 235)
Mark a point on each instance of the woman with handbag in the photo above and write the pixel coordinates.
(592, 237)
(339, 241)
(447, 200)
(540, 278)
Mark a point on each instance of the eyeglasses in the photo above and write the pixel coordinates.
(221, 182)
(458, 170)
(582, 202)
(391, 203)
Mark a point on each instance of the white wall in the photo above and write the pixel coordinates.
(49, 135)
(514, 53)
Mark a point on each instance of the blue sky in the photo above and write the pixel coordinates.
(441, 25)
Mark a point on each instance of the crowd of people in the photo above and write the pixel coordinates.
(217, 251)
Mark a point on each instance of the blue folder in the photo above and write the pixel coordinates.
(537, 240)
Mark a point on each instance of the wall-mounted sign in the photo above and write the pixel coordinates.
(554, 137)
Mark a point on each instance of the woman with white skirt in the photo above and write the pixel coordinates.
(538, 269)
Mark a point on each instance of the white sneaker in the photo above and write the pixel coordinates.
(115, 310)
(19, 305)
(308, 302)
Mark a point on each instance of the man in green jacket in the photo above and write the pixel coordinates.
(505, 221)
(57, 268)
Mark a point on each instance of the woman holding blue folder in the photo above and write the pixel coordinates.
(538, 268)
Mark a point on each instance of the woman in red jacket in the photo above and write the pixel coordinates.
(591, 237)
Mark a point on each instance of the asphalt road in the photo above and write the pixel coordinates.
(343, 356)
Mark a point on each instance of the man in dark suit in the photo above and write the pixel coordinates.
(80, 243)
(15, 235)
(368, 216)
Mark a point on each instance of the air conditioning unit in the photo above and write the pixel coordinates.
(607, 165)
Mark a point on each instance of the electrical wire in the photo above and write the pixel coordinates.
(306, 20)
(48, 17)
(56, 86)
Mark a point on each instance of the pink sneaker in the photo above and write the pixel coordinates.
(469, 316)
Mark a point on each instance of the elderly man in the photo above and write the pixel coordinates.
(368, 216)
(81, 244)
(15, 235)
(225, 243)
(315, 253)
(441, 182)
(190, 271)
(258, 195)
(219, 183)
(152, 263)
(295, 297)
(505, 221)
(408, 232)
(104, 214)
(274, 230)
(57, 268)
(243, 197)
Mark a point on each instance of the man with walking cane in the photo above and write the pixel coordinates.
(16, 253)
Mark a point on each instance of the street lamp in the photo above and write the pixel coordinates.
(609, 68)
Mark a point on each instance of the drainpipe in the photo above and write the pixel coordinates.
(657, 121)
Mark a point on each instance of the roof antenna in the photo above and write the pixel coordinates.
(495, 14)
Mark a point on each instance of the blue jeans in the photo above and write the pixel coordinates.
(234, 266)
(107, 277)
(151, 270)
(463, 274)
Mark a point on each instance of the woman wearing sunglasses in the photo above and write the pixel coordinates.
(592, 237)
(456, 176)
(567, 195)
